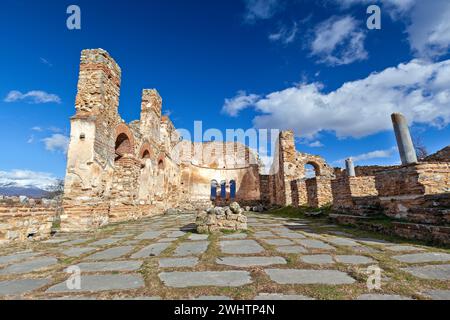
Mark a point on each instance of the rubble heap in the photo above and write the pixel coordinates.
(222, 218)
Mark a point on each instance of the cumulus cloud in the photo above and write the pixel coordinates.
(418, 89)
(26, 178)
(338, 41)
(239, 102)
(35, 97)
(57, 142)
(260, 9)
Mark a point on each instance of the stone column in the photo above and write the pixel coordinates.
(350, 167)
(404, 141)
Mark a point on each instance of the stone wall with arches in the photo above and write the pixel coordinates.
(118, 171)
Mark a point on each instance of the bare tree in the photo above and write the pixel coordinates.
(57, 189)
(421, 149)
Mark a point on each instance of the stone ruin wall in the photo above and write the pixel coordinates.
(118, 171)
(22, 221)
(289, 182)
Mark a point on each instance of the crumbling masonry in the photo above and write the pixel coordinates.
(118, 171)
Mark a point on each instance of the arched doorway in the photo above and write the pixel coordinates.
(214, 185)
(223, 190)
(232, 190)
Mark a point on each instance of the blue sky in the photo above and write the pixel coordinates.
(309, 65)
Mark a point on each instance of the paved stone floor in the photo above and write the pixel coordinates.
(277, 259)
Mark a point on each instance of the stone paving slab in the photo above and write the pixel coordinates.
(291, 249)
(292, 235)
(176, 234)
(235, 236)
(112, 253)
(403, 248)
(191, 248)
(315, 244)
(178, 262)
(240, 247)
(19, 287)
(295, 276)
(278, 242)
(435, 272)
(29, 266)
(75, 242)
(77, 251)
(382, 297)
(152, 250)
(244, 262)
(98, 283)
(213, 298)
(104, 242)
(149, 235)
(423, 257)
(110, 266)
(264, 234)
(438, 294)
(207, 278)
(344, 242)
(279, 296)
(353, 259)
(16, 257)
(317, 259)
(198, 237)
(55, 241)
(376, 242)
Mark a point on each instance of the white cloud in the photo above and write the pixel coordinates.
(34, 96)
(285, 35)
(26, 178)
(316, 144)
(418, 89)
(338, 41)
(427, 23)
(239, 102)
(429, 30)
(57, 142)
(260, 9)
(377, 154)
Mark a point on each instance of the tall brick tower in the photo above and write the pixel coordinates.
(91, 151)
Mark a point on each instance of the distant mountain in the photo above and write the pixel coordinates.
(31, 192)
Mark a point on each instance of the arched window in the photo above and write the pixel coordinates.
(312, 170)
(123, 146)
(232, 190)
(223, 189)
(214, 189)
(146, 155)
(161, 164)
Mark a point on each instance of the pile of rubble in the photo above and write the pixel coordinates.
(222, 218)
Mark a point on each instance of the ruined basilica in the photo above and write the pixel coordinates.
(119, 172)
